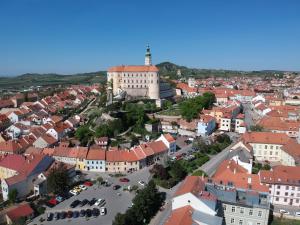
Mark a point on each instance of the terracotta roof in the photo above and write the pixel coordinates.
(266, 138)
(237, 177)
(292, 148)
(121, 156)
(13, 162)
(158, 147)
(22, 210)
(133, 69)
(169, 137)
(191, 184)
(10, 146)
(96, 154)
(288, 175)
(181, 216)
(276, 123)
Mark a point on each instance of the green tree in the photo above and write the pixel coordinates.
(84, 135)
(12, 195)
(58, 179)
(167, 104)
(177, 171)
(256, 128)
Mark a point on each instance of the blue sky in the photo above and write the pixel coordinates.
(69, 36)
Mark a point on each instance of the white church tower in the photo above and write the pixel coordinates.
(148, 61)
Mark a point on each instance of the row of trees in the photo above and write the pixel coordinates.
(190, 108)
(145, 205)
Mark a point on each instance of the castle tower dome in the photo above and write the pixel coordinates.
(148, 60)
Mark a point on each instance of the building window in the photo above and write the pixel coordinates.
(259, 213)
(250, 212)
(286, 193)
(233, 209)
(276, 199)
(242, 211)
(232, 220)
(241, 222)
(286, 187)
(285, 199)
(277, 193)
(278, 186)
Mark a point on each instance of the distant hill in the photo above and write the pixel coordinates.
(166, 69)
(170, 69)
(34, 79)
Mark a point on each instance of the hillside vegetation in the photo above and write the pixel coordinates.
(170, 69)
(33, 79)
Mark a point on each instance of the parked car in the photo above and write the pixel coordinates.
(92, 202)
(82, 187)
(62, 215)
(102, 211)
(142, 183)
(75, 214)
(82, 213)
(75, 203)
(56, 215)
(52, 202)
(88, 183)
(116, 187)
(59, 198)
(297, 213)
(88, 213)
(84, 202)
(73, 192)
(100, 202)
(95, 212)
(124, 179)
(77, 188)
(50, 216)
(283, 211)
(69, 214)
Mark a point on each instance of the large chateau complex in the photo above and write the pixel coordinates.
(136, 81)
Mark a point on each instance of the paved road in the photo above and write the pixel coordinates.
(250, 116)
(210, 167)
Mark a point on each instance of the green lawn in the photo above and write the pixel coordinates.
(278, 221)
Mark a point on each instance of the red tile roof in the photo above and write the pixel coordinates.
(13, 162)
(22, 210)
(181, 216)
(228, 173)
(191, 184)
(169, 138)
(265, 138)
(288, 175)
(96, 154)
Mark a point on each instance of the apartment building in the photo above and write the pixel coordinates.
(283, 183)
(245, 200)
(273, 147)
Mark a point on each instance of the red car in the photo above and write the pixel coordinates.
(124, 179)
(88, 183)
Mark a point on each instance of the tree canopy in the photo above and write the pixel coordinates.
(58, 180)
(145, 205)
(190, 108)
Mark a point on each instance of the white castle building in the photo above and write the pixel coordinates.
(136, 81)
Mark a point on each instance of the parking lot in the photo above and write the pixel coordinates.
(114, 203)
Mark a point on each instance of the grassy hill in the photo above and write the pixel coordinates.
(170, 69)
(31, 79)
